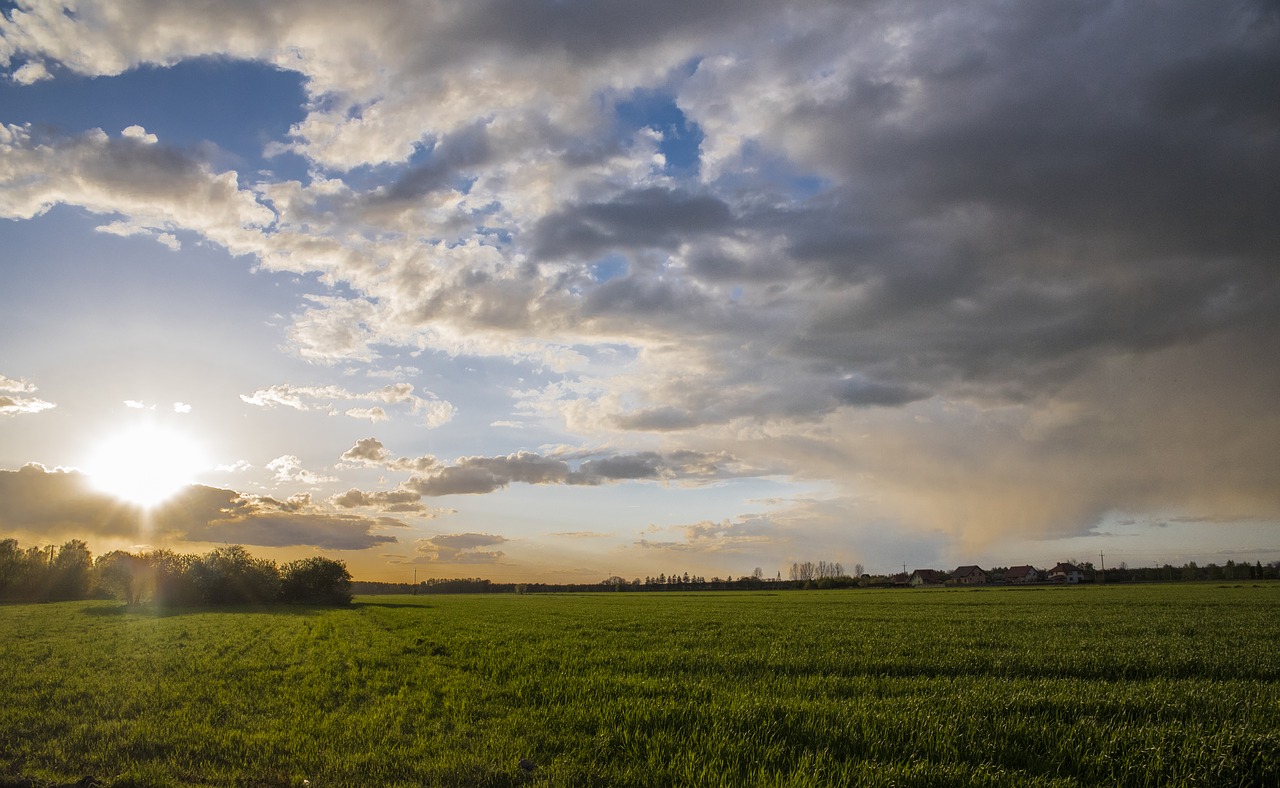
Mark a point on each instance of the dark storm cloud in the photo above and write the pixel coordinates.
(447, 165)
(653, 217)
(481, 475)
(589, 30)
(643, 297)
(1049, 186)
(863, 392)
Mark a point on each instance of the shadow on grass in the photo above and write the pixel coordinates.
(165, 611)
(418, 605)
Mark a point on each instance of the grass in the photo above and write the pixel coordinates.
(1142, 686)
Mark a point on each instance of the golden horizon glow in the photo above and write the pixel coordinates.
(145, 464)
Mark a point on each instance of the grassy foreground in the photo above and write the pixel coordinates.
(1156, 685)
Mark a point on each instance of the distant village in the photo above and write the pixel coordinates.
(1065, 573)
(823, 574)
(1062, 573)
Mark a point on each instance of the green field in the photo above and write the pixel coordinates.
(1154, 685)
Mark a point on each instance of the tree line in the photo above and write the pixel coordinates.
(823, 574)
(223, 576)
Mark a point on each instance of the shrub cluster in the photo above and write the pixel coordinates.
(224, 576)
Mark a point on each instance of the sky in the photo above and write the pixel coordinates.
(556, 291)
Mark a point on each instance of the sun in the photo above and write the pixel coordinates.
(145, 464)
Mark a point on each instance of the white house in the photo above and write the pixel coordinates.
(1066, 573)
(925, 577)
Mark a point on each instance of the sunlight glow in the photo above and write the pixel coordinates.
(145, 464)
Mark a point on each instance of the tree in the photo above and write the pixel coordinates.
(123, 575)
(172, 578)
(315, 581)
(12, 564)
(71, 571)
(229, 575)
(803, 572)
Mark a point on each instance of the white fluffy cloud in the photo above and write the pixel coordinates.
(11, 404)
(159, 190)
(430, 409)
(288, 468)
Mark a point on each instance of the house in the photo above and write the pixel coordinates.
(1022, 575)
(925, 577)
(1066, 573)
(969, 576)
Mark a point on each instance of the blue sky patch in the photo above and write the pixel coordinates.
(239, 106)
(658, 110)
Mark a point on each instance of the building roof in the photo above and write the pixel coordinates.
(968, 571)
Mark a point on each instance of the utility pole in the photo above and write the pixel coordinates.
(1103, 559)
(415, 581)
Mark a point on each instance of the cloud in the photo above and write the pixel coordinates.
(374, 414)
(482, 475)
(11, 406)
(288, 468)
(294, 396)
(747, 534)
(35, 498)
(459, 549)
(15, 386)
(225, 516)
(387, 500)
(370, 451)
(919, 250)
(435, 412)
(651, 217)
(14, 405)
(30, 73)
(366, 450)
(56, 502)
(157, 188)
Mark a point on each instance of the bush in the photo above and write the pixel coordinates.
(230, 575)
(316, 581)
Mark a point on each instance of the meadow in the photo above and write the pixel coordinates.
(1161, 685)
